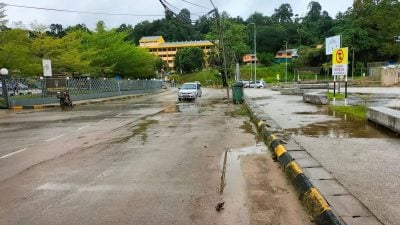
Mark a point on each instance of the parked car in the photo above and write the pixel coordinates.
(257, 84)
(245, 82)
(20, 86)
(190, 91)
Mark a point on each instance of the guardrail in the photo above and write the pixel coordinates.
(24, 92)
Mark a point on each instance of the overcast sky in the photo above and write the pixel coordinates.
(151, 8)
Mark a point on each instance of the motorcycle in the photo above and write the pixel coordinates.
(65, 100)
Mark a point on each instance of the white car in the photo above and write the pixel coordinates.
(257, 84)
(189, 91)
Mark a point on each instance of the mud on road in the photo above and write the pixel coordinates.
(162, 166)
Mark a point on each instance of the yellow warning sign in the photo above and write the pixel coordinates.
(340, 56)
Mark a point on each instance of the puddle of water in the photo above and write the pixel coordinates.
(235, 195)
(308, 113)
(140, 129)
(249, 128)
(188, 108)
(171, 109)
(345, 127)
(262, 98)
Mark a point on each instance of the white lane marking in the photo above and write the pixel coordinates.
(81, 188)
(118, 115)
(102, 120)
(54, 138)
(81, 128)
(12, 153)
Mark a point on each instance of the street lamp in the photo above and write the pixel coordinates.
(4, 73)
(255, 55)
(286, 56)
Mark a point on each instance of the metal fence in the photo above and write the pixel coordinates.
(42, 91)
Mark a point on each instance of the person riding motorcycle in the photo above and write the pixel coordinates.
(65, 99)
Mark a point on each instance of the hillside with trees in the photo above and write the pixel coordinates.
(368, 28)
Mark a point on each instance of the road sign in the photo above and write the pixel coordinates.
(332, 43)
(340, 61)
(47, 68)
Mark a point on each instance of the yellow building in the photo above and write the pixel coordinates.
(167, 50)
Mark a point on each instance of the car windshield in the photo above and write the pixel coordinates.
(188, 86)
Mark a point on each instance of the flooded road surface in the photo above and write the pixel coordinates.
(149, 160)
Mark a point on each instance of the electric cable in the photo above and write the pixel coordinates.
(196, 4)
(83, 12)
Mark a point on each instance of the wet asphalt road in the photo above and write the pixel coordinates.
(360, 155)
(148, 160)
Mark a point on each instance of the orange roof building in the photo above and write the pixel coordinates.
(167, 50)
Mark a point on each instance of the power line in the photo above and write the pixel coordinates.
(172, 6)
(75, 11)
(196, 4)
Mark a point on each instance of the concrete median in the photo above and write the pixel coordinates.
(311, 198)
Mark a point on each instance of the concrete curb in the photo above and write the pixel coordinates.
(309, 195)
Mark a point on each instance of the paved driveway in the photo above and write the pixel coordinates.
(363, 157)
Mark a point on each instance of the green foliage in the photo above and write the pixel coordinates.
(266, 58)
(368, 27)
(268, 74)
(242, 111)
(76, 51)
(2, 16)
(338, 96)
(160, 65)
(205, 77)
(16, 53)
(309, 57)
(172, 28)
(356, 111)
(189, 60)
(111, 55)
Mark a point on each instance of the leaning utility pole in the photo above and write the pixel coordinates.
(221, 42)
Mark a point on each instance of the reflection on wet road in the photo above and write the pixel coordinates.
(343, 126)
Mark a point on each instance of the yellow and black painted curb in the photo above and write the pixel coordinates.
(310, 197)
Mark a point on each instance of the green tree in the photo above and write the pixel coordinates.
(115, 56)
(189, 59)
(56, 30)
(234, 35)
(283, 14)
(267, 59)
(16, 54)
(3, 21)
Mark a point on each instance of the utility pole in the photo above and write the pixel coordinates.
(255, 53)
(221, 42)
(286, 61)
(352, 66)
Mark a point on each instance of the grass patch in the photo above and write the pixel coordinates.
(27, 96)
(268, 74)
(205, 77)
(339, 96)
(356, 111)
(243, 111)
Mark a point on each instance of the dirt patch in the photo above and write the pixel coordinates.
(272, 199)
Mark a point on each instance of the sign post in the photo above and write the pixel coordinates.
(46, 73)
(332, 43)
(340, 61)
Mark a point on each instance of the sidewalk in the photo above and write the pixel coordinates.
(358, 176)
